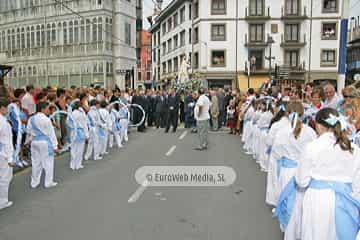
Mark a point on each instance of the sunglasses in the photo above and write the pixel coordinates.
(347, 96)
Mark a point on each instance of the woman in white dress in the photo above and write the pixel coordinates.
(293, 140)
(280, 121)
(330, 170)
(264, 124)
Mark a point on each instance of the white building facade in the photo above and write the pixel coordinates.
(231, 38)
(64, 43)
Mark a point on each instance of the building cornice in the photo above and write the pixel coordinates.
(170, 9)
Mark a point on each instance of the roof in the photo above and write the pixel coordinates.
(172, 7)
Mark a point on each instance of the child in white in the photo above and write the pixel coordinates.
(330, 170)
(116, 128)
(6, 156)
(95, 132)
(124, 122)
(106, 125)
(79, 134)
(41, 134)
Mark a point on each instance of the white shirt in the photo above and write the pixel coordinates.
(291, 147)
(205, 103)
(6, 146)
(323, 160)
(28, 103)
(43, 123)
(80, 118)
(282, 123)
(333, 102)
(265, 119)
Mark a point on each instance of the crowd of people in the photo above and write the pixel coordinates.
(36, 124)
(307, 140)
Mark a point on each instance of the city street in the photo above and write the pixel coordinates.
(93, 203)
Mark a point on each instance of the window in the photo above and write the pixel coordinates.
(182, 15)
(190, 35)
(256, 32)
(330, 5)
(169, 24)
(196, 60)
(176, 64)
(100, 30)
(292, 7)
(328, 31)
(88, 31)
(291, 32)
(196, 10)
(218, 58)
(128, 33)
(256, 58)
(71, 33)
(176, 20)
(218, 7)
(196, 34)
(190, 12)
(163, 29)
(218, 32)
(328, 57)
(176, 41)
(292, 58)
(164, 49)
(94, 30)
(182, 38)
(164, 67)
(169, 66)
(82, 31)
(169, 43)
(256, 7)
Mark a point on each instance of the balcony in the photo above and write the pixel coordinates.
(293, 14)
(255, 44)
(263, 16)
(286, 72)
(292, 44)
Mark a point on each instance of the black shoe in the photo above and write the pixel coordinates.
(174, 131)
(166, 131)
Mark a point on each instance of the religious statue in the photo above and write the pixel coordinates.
(184, 73)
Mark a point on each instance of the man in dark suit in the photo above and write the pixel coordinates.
(172, 103)
(160, 110)
(151, 108)
(222, 108)
(142, 101)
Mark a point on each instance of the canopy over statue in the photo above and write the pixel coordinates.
(184, 73)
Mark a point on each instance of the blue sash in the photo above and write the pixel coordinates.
(268, 150)
(117, 127)
(286, 203)
(264, 129)
(347, 209)
(91, 122)
(284, 162)
(123, 113)
(78, 133)
(40, 136)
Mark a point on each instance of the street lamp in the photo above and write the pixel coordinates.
(4, 70)
(270, 42)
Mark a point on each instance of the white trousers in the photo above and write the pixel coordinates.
(124, 123)
(77, 153)
(118, 139)
(104, 143)
(41, 161)
(6, 174)
(93, 147)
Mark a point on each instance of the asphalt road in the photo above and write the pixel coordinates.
(92, 204)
